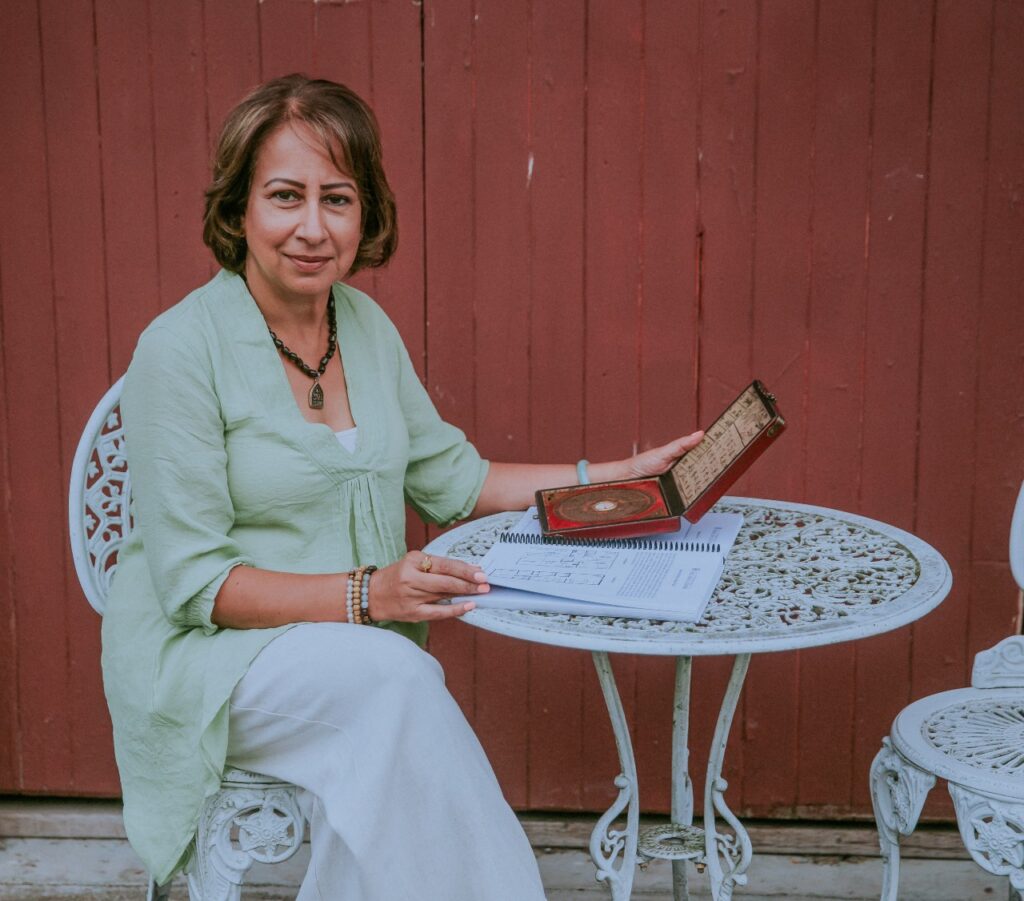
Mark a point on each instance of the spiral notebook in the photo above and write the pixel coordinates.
(672, 576)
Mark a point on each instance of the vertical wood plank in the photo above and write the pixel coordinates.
(669, 314)
(616, 117)
(449, 259)
(728, 102)
(79, 296)
(180, 153)
(231, 31)
(992, 584)
(287, 37)
(899, 141)
(231, 60)
(131, 255)
(949, 366)
(36, 497)
(613, 289)
(501, 315)
(554, 178)
(397, 95)
(785, 136)
(395, 65)
(726, 201)
(342, 46)
(10, 750)
(836, 326)
(669, 228)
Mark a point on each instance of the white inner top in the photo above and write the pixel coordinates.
(347, 438)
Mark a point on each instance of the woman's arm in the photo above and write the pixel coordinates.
(253, 598)
(511, 486)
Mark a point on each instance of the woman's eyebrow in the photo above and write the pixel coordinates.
(299, 184)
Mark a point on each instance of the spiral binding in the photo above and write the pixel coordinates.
(641, 544)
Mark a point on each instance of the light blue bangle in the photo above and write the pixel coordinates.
(581, 472)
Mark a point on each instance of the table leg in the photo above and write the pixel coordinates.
(682, 784)
(606, 843)
(678, 841)
(727, 856)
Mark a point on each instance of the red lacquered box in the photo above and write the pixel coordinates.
(689, 488)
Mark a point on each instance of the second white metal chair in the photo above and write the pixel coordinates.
(974, 739)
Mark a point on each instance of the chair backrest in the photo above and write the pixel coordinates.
(1017, 540)
(99, 519)
(1002, 666)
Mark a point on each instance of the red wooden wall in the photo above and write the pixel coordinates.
(613, 215)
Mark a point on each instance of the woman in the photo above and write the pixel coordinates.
(275, 430)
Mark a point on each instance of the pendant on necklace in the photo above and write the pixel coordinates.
(316, 396)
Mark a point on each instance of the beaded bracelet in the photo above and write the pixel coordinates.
(365, 596)
(357, 579)
(349, 612)
(357, 596)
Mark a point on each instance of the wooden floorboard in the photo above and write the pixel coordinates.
(76, 850)
(107, 870)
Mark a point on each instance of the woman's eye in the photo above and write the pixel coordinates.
(337, 200)
(285, 196)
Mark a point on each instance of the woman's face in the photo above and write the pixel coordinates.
(303, 219)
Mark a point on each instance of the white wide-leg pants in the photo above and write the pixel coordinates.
(402, 802)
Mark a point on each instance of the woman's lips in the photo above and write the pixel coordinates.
(309, 264)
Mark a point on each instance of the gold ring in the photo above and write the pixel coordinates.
(426, 563)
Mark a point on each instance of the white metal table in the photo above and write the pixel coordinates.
(797, 577)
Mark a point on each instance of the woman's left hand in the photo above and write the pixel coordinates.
(658, 459)
(511, 486)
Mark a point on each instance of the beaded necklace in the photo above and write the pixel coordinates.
(316, 392)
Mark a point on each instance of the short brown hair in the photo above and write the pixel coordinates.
(340, 118)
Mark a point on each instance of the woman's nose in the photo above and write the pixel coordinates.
(311, 222)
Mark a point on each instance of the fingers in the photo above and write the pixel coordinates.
(405, 592)
(687, 442)
(434, 588)
(658, 459)
(446, 576)
(675, 448)
(439, 579)
(442, 610)
(431, 563)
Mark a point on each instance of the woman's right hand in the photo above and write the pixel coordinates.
(405, 592)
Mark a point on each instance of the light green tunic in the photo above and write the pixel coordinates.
(226, 471)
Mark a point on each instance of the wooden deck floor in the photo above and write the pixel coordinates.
(76, 851)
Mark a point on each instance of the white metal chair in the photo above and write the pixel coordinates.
(252, 818)
(974, 739)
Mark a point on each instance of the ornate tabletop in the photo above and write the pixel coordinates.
(798, 576)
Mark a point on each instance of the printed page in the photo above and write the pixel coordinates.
(723, 443)
(628, 576)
